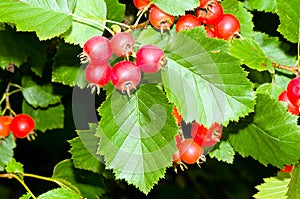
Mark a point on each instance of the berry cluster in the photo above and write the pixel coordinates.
(22, 126)
(126, 74)
(191, 150)
(292, 96)
(209, 13)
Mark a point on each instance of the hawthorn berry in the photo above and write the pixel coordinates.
(293, 91)
(22, 125)
(160, 19)
(96, 49)
(5, 122)
(199, 133)
(209, 32)
(187, 22)
(291, 107)
(125, 76)
(150, 58)
(97, 75)
(190, 152)
(287, 169)
(122, 44)
(177, 115)
(205, 3)
(227, 27)
(141, 4)
(206, 137)
(210, 15)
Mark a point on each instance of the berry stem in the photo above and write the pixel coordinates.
(92, 23)
(118, 23)
(6, 97)
(294, 70)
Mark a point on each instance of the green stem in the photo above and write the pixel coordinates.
(24, 185)
(92, 23)
(118, 23)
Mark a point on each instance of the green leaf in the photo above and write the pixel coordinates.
(224, 152)
(204, 82)
(90, 185)
(176, 7)
(137, 136)
(89, 19)
(14, 167)
(47, 18)
(36, 95)
(271, 135)
(251, 54)
(245, 18)
(289, 21)
(294, 188)
(262, 5)
(60, 193)
(274, 187)
(272, 89)
(115, 10)
(46, 119)
(26, 196)
(66, 67)
(6, 150)
(275, 50)
(84, 150)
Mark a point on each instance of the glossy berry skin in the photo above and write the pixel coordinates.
(206, 137)
(141, 4)
(211, 15)
(22, 125)
(125, 76)
(160, 19)
(209, 32)
(97, 49)
(150, 58)
(293, 91)
(205, 3)
(190, 152)
(187, 22)
(227, 27)
(98, 74)
(5, 122)
(122, 44)
(291, 107)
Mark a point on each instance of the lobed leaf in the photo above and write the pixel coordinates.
(294, 189)
(6, 150)
(224, 152)
(176, 7)
(261, 5)
(271, 135)
(14, 167)
(204, 82)
(137, 136)
(60, 193)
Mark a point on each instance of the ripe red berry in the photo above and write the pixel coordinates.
(187, 22)
(22, 125)
(206, 137)
(5, 122)
(210, 15)
(97, 75)
(122, 44)
(96, 49)
(177, 116)
(227, 27)
(210, 32)
(150, 58)
(160, 19)
(125, 76)
(190, 152)
(287, 169)
(141, 4)
(205, 3)
(293, 91)
(291, 107)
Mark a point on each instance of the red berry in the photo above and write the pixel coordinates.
(122, 44)
(5, 122)
(22, 125)
(96, 49)
(125, 76)
(190, 152)
(227, 27)
(187, 22)
(159, 19)
(199, 133)
(98, 74)
(210, 15)
(141, 4)
(150, 58)
(209, 32)
(291, 107)
(205, 3)
(287, 169)
(293, 91)
(206, 137)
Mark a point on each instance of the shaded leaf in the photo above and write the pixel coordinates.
(60, 193)
(6, 150)
(14, 167)
(223, 152)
